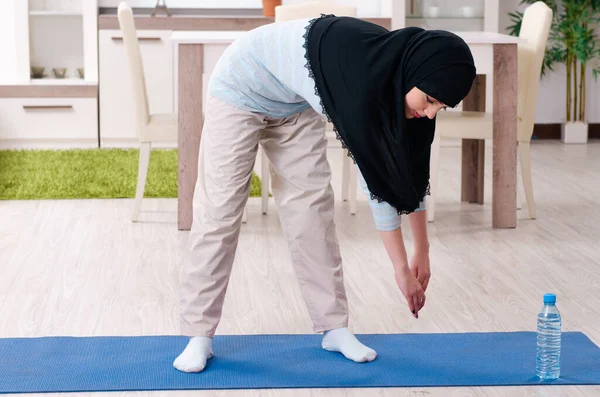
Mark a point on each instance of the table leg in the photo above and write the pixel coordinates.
(504, 189)
(190, 122)
(472, 175)
(473, 150)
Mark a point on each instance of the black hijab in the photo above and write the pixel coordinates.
(362, 73)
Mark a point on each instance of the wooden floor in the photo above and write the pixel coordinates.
(82, 268)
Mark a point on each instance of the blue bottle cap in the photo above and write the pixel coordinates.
(549, 298)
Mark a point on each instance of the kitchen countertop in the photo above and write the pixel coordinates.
(202, 22)
(188, 22)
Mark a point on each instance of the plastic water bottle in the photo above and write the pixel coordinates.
(548, 340)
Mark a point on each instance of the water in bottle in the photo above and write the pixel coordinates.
(548, 340)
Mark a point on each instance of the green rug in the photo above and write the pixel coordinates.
(83, 173)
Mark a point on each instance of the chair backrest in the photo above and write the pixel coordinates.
(312, 9)
(535, 29)
(136, 68)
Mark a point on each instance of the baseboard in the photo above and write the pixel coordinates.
(540, 132)
(133, 144)
(552, 131)
(50, 144)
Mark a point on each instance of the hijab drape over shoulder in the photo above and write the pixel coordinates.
(362, 73)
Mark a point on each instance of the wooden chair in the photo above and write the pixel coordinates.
(479, 125)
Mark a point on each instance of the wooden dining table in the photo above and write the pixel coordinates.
(495, 57)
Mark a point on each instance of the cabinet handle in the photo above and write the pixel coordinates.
(139, 38)
(47, 107)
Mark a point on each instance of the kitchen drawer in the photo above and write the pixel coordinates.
(48, 122)
(117, 126)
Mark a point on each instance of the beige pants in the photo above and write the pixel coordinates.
(296, 147)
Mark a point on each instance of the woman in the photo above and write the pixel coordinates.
(275, 86)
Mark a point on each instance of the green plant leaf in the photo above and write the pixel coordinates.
(516, 18)
(572, 36)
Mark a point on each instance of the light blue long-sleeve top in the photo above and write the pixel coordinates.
(265, 71)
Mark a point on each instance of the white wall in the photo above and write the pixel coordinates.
(8, 66)
(551, 100)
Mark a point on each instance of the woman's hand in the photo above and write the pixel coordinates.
(411, 289)
(419, 266)
(407, 282)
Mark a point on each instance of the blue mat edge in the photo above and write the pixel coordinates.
(218, 336)
(558, 382)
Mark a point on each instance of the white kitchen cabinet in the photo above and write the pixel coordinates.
(453, 15)
(50, 110)
(48, 123)
(50, 34)
(116, 102)
(174, 4)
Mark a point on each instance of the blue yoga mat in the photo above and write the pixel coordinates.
(72, 364)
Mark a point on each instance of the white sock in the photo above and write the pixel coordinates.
(343, 341)
(195, 355)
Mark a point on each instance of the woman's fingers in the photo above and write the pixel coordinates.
(423, 279)
(418, 302)
(411, 306)
(416, 305)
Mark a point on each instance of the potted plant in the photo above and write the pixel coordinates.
(572, 42)
(269, 7)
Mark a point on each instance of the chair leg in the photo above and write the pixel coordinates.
(345, 175)
(433, 172)
(352, 187)
(520, 188)
(525, 156)
(245, 215)
(141, 183)
(265, 182)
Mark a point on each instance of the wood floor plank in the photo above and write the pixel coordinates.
(80, 267)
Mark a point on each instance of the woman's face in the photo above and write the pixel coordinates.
(419, 104)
